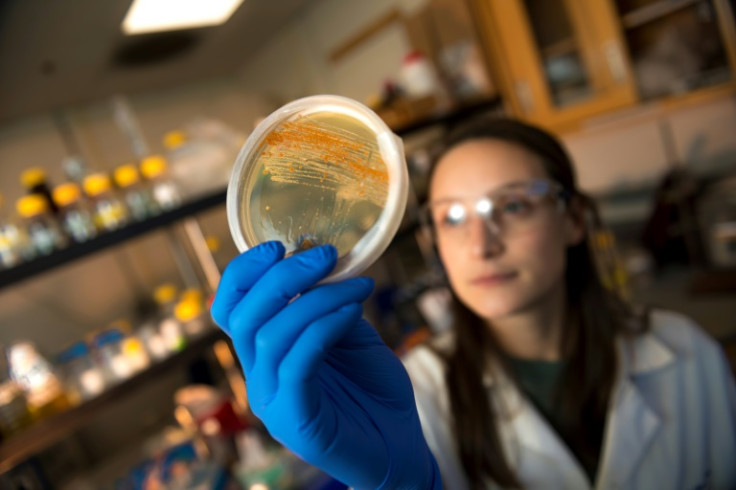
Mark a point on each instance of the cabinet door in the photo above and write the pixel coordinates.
(678, 46)
(560, 60)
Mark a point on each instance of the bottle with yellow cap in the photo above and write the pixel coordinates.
(190, 313)
(43, 230)
(34, 181)
(15, 244)
(109, 212)
(75, 216)
(9, 253)
(164, 191)
(136, 196)
(169, 327)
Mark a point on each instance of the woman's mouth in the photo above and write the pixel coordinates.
(488, 280)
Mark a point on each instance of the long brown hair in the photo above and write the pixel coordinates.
(595, 318)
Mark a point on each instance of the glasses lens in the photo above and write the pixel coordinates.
(510, 211)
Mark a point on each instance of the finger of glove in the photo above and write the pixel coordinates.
(272, 292)
(309, 351)
(277, 336)
(239, 276)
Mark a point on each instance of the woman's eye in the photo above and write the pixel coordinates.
(454, 215)
(516, 206)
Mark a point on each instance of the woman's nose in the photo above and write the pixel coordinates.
(484, 237)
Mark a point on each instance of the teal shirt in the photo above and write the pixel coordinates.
(538, 381)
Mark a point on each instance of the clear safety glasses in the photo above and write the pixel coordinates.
(510, 210)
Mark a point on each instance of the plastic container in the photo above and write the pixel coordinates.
(109, 211)
(323, 169)
(164, 191)
(197, 165)
(110, 356)
(42, 228)
(418, 76)
(35, 375)
(83, 377)
(136, 196)
(75, 217)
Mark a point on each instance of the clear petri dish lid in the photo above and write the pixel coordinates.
(322, 169)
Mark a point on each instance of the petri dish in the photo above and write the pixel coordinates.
(321, 169)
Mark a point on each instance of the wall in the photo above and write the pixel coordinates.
(296, 63)
(638, 145)
(631, 150)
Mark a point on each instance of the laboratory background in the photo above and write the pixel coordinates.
(120, 122)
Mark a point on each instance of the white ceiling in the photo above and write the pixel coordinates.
(54, 53)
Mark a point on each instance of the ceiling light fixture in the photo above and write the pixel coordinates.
(146, 16)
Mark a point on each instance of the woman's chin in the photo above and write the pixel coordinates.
(496, 308)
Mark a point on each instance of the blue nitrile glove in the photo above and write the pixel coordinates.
(319, 377)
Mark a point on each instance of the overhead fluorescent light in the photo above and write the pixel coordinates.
(169, 15)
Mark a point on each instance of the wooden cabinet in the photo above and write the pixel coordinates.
(559, 62)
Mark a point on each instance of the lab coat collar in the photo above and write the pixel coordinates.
(631, 423)
(643, 354)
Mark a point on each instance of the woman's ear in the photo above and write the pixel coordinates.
(575, 222)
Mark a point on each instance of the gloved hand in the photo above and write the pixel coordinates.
(318, 376)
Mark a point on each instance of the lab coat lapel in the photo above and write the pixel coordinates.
(632, 424)
(533, 446)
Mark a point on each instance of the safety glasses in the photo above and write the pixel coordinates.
(507, 211)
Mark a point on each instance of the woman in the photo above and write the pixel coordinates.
(546, 381)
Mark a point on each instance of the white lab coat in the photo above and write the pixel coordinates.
(672, 421)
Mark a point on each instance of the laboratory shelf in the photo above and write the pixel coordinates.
(460, 113)
(76, 251)
(48, 431)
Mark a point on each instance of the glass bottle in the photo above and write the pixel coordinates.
(190, 314)
(83, 376)
(169, 327)
(109, 350)
(43, 230)
(150, 335)
(9, 252)
(138, 199)
(74, 215)
(109, 212)
(37, 378)
(164, 190)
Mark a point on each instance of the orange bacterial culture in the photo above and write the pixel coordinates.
(315, 179)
